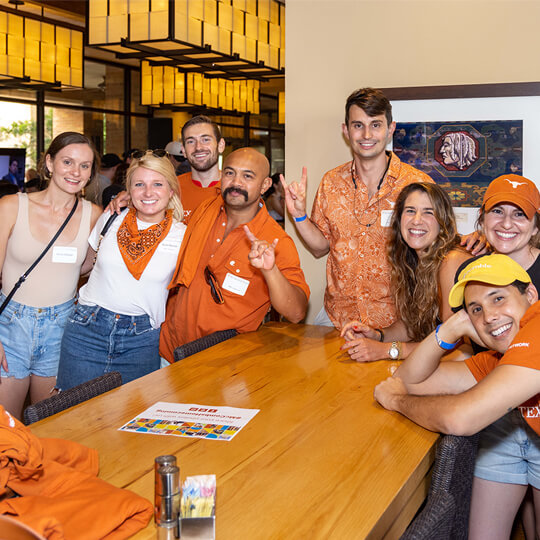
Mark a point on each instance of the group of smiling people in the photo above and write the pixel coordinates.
(131, 259)
(429, 272)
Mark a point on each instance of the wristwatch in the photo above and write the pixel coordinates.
(395, 350)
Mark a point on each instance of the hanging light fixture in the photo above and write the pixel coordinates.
(165, 85)
(38, 53)
(221, 38)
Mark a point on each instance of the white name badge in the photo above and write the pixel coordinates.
(235, 284)
(169, 246)
(386, 217)
(62, 254)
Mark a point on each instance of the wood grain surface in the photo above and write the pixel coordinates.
(320, 460)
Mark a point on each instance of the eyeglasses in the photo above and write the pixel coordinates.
(215, 289)
(158, 152)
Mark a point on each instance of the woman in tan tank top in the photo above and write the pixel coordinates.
(31, 325)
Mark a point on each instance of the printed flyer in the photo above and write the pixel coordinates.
(191, 420)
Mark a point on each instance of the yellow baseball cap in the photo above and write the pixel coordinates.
(494, 269)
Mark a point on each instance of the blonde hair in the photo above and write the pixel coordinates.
(162, 166)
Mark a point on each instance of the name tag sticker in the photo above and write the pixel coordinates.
(64, 254)
(386, 217)
(235, 284)
(169, 246)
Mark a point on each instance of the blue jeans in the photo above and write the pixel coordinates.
(31, 338)
(97, 341)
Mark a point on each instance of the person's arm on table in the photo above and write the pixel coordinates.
(295, 200)
(366, 344)
(504, 389)
(425, 360)
(286, 298)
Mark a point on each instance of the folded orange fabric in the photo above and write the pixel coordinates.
(62, 496)
(194, 241)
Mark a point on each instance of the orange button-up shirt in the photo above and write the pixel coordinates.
(357, 228)
(192, 312)
(192, 194)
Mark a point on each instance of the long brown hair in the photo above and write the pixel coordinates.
(414, 280)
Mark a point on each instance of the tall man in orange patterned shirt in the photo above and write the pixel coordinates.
(351, 215)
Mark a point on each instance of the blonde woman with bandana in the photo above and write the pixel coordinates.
(116, 324)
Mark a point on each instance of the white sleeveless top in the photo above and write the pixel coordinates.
(54, 280)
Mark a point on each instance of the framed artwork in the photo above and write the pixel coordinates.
(462, 156)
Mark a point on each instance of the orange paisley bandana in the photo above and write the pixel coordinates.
(137, 247)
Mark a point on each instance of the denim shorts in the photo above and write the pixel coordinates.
(509, 452)
(31, 338)
(97, 341)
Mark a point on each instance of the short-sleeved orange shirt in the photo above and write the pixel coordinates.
(357, 269)
(192, 312)
(523, 351)
(193, 194)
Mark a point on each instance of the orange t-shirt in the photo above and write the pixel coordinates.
(192, 312)
(193, 194)
(523, 351)
(357, 269)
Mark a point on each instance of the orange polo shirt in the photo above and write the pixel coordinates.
(193, 194)
(192, 312)
(523, 351)
(357, 228)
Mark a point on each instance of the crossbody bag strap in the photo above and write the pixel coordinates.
(103, 232)
(22, 279)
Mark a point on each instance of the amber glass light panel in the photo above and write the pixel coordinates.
(166, 85)
(42, 51)
(253, 29)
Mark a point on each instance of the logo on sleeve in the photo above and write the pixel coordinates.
(514, 345)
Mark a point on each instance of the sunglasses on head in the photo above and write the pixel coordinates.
(159, 153)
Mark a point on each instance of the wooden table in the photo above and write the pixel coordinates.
(320, 460)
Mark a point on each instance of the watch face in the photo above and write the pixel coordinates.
(393, 352)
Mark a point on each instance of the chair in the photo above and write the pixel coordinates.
(198, 345)
(446, 512)
(73, 396)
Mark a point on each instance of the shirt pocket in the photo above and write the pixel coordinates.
(237, 277)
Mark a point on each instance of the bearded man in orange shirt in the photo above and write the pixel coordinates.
(203, 144)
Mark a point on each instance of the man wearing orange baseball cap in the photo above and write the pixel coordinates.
(501, 310)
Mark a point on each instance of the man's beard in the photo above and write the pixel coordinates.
(206, 166)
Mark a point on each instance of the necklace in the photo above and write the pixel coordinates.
(353, 174)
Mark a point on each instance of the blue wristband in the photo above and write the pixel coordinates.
(443, 344)
(299, 219)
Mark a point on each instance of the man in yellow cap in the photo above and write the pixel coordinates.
(501, 311)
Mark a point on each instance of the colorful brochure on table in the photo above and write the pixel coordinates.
(191, 420)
